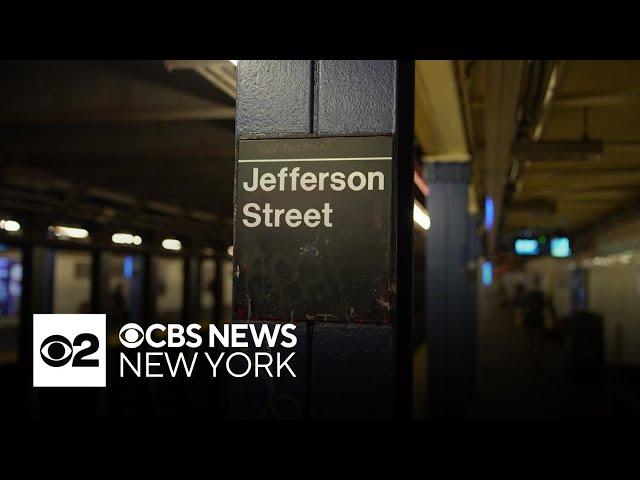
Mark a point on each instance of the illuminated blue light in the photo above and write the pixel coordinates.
(487, 273)
(560, 247)
(128, 267)
(525, 246)
(488, 213)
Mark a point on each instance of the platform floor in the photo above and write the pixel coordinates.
(508, 388)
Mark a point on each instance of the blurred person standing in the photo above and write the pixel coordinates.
(119, 304)
(537, 303)
(117, 315)
(519, 305)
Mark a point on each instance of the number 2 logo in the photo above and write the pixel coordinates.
(56, 350)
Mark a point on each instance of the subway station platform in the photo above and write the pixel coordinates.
(402, 214)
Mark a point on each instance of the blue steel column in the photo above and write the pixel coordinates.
(351, 372)
(449, 309)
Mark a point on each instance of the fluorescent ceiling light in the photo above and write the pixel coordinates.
(70, 232)
(420, 216)
(172, 244)
(9, 225)
(126, 239)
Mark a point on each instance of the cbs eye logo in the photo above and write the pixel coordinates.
(64, 346)
(131, 335)
(57, 351)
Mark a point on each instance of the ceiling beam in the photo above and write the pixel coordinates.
(191, 64)
(610, 99)
(136, 141)
(439, 124)
(216, 113)
(534, 205)
(121, 158)
(565, 150)
(37, 185)
(219, 79)
(604, 173)
(220, 73)
(579, 207)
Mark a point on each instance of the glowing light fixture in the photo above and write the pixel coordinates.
(417, 179)
(126, 239)
(235, 62)
(9, 225)
(527, 246)
(128, 267)
(172, 244)
(488, 213)
(560, 247)
(420, 216)
(69, 232)
(230, 250)
(487, 273)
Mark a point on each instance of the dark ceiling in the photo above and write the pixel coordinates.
(126, 143)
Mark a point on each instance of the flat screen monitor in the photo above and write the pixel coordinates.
(527, 246)
(560, 247)
(487, 273)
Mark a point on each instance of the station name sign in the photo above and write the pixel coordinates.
(313, 223)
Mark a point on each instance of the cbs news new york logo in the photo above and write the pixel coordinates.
(69, 350)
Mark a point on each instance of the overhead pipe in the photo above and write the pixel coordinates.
(503, 80)
(549, 94)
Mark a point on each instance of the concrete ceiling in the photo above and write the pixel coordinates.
(159, 144)
(531, 102)
(598, 99)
